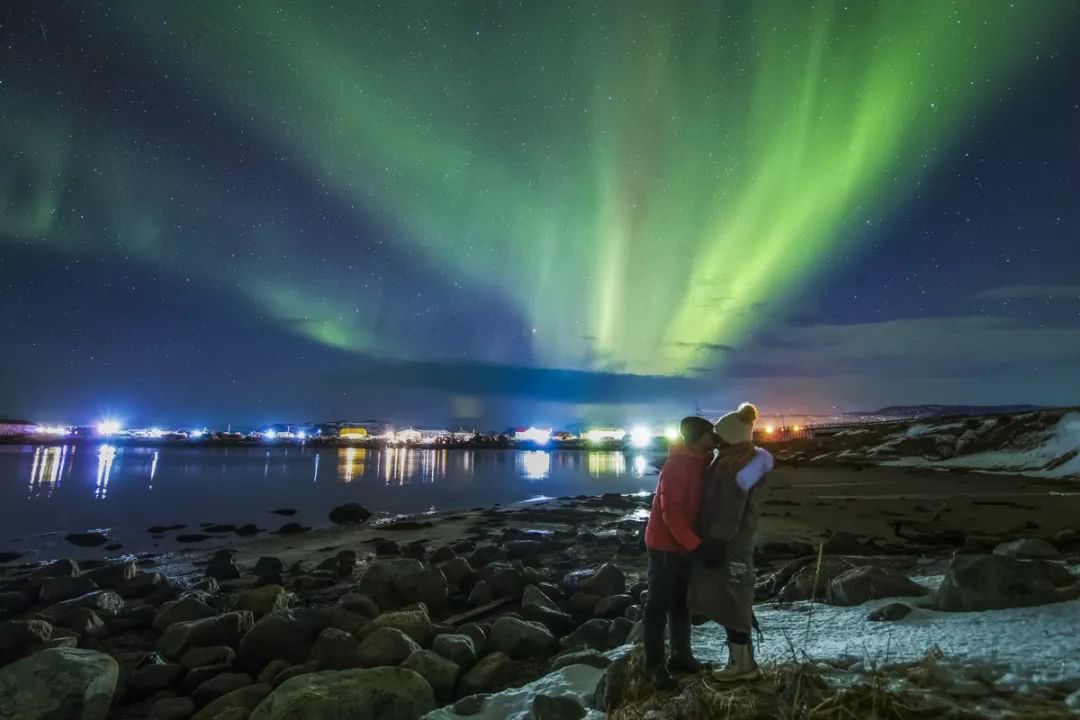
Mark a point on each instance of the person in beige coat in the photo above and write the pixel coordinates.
(722, 578)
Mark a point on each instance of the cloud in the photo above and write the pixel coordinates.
(1030, 292)
(712, 347)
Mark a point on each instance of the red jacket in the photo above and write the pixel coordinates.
(675, 507)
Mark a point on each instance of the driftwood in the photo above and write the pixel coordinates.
(475, 612)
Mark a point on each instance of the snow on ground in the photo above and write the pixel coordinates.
(1027, 646)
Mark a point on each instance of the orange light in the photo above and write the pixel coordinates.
(769, 429)
(796, 428)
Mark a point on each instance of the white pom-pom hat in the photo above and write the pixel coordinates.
(737, 427)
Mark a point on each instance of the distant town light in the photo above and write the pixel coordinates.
(301, 435)
(269, 434)
(770, 429)
(641, 436)
(196, 434)
(55, 430)
(796, 428)
(602, 435)
(108, 427)
(155, 432)
(540, 436)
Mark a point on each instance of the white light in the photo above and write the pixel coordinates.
(599, 436)
(672, 433)
(57, 430)
(196, 434)
(155, 432)
(300, 435)
(640, 436)
(108, 427)
(269, 434)
(540, 436)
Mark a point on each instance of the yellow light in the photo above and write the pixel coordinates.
(796, 428)
(672, 434)
(769, 429)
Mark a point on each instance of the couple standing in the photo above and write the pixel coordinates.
(700, 538)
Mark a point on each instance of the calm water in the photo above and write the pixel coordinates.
(128, 489)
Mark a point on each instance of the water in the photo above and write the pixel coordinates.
(48, 491)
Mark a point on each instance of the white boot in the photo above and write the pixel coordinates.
(741, 665)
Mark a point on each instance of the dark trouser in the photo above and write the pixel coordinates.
(669, 581)
(736, 637)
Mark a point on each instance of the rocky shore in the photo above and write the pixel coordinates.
(393, 619)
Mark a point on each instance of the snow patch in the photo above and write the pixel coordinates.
(515, 704)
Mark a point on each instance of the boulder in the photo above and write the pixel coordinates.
(282, 635)
(505, 581)
(12, 603)
(557, 707)
(105, 603)
(810, 581)
(607, 580)
(210, 655)
(59, 683)
(218, 686)
(521, 639)
(869, 582)
(236, 704)
(335, 650)
(144, 584)
(442, 554)
(173, 708)
(583, 603)
(592, 634)
(82, 621)
(349, 514)
(1028, 549)
(113, 576)
(521, 549)
(401, 581)
(414, 623)
(481, 594)
(457, 648)
(619, 631)
(384, 693)
(845, 543)
(267, 566)
(87, 539)
(268, 674)
(183, 610)
(484, 554)
(990, 582)
(491, 673)
(63, 567)
(537, 605)
(890, 613)
(385, 646)
(226, 629)
(613, 606)
(441, 673)
(263, 600)
(222, 566)
(358, 603)
(56, 589)
(459, 573)
(477, 634)
(152, 678)
(20, 637)
(592, 658)
(614, 684)
(472, 704)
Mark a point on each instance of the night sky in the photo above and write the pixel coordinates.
(499, 212)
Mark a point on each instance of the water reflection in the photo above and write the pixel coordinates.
(607, 463)
(106, 455)
(399, 466)
(641, 466)
(534, 464)
(351, 463)
(153, 468)
(46, 470)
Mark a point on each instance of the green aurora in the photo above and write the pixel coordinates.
(646, 182)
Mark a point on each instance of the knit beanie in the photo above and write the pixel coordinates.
(738, 426)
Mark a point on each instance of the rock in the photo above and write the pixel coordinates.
(174, 708)
(536, 605)
(470, 704)
(141, 585)
(384, 693)
(583, 603)
(394, 583)
(607, 580)
(844, 543)
(113, 576)
(520, 549)
(358, 603)
(150, 679)
(414, 623)
(19, 637)
(292, 528)
(197, 676)
(613, 686)
(459, 573)
(890, 613)
(1073, 701)
(222, 567)
(1028, 549)
(481, 594)
(63, 567)
(105, 603)
(989, 582)
(59, 683)
(521, 639)
(12, 603)
(183, 610)
(551, 707)
(442, 554)
(619, 631)
(457, 648)
(505, 581)
(56, 589)
(869, 582)
(293, 671)
(416, 550)
(83, 621)
(348, 514)
(282, 635)
(809, 581)
(263, 600)
(267, 566)
(218, 686)
(210, 655)
(589, 635)
(269, 673)
(592, 658)
(613, 606)
(335, 650)
(441, 673)
(207, 585)
(484, 554)
(385, 646)
(87, 539)
(387, 548)
(243, 699)
(487, 675)
(225, 629)
(477, 634)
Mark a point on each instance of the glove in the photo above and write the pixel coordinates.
(713, 552)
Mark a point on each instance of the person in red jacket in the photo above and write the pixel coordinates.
(672, 539)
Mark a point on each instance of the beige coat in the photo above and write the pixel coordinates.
(726, 594)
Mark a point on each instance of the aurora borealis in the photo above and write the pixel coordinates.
(600, 204)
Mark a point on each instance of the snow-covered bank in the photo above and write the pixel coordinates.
(515, 703)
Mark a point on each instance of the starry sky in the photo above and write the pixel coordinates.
(499, 212)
